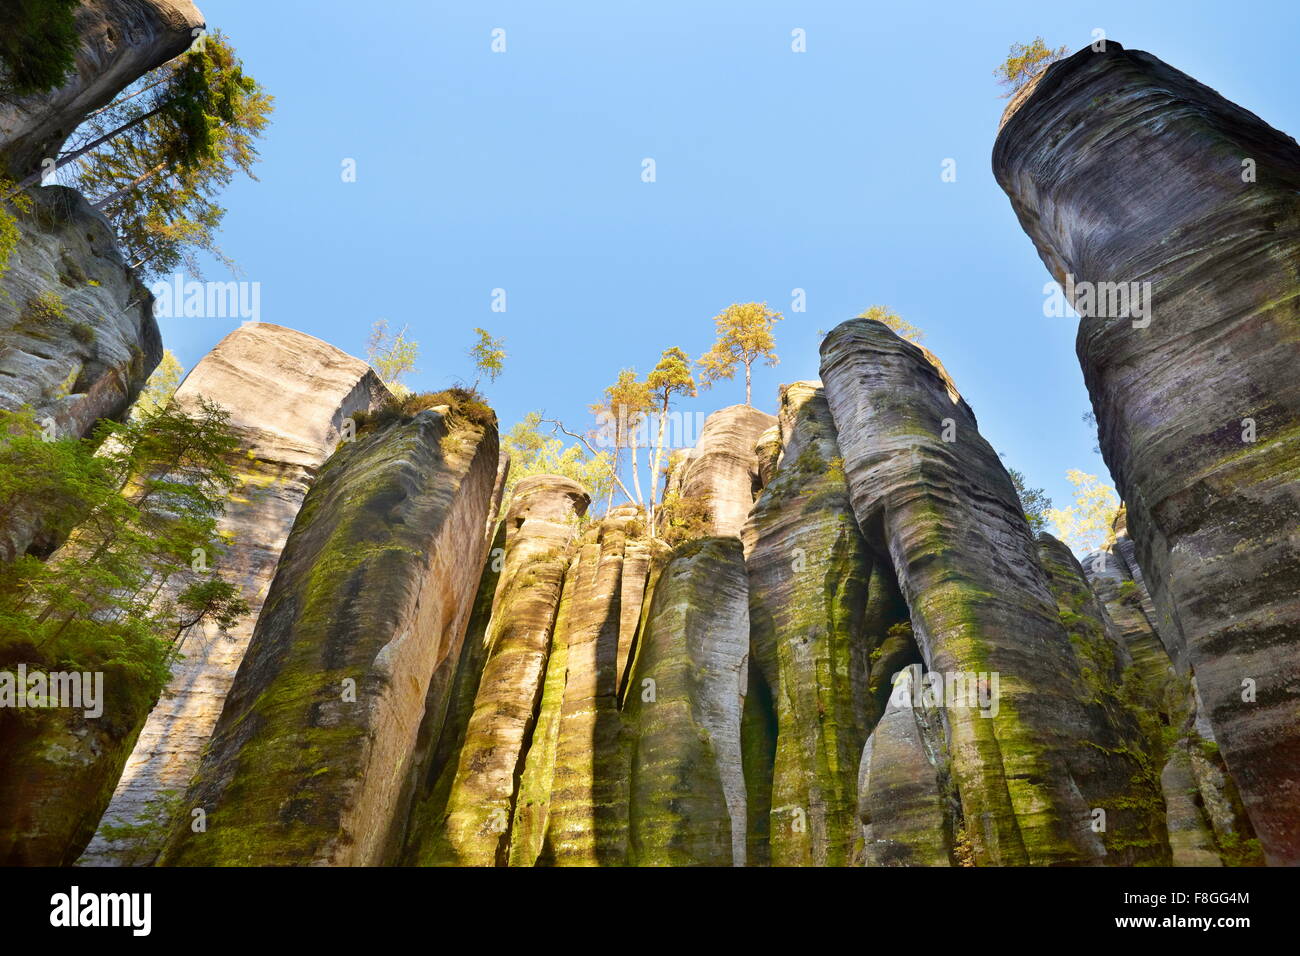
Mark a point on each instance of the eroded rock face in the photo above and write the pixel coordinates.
(905, 804)
(473, 828)
(121, 40)
(310, 761)
(767, 451)
(723, 467)
(1205, 820)
(288, 395)
(1117, 766)
(811, 641)
(684, 704)
(444, 734)
(572, 808)
(78, 338)
(948, 516)
(1122, 170)
(58, 766)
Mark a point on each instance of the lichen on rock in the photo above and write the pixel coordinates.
(312, 758)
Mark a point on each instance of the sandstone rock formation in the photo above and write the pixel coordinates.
(982, 607)
(78, 338)
(1117, 767)
(1205, 820)
(810, 636)
(572, 808)
(906, 803)
(767, 451)
(684, 703)
(121, 40)
(57, 769)
(472, 827)
(288, 395)
(443, 734)
(1123, 170)
(722, 469)
(311, 759)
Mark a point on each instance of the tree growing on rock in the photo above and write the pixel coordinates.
(155, 159)
(489, 355)
(38, 45)
(887, 316)
(533, 452)
(669, 379)
(1033, 501)
(162, 385)
(1026, 61)
(619, 418)
(744, 336)
(392, 356)
(139, 568)
(1087, 524)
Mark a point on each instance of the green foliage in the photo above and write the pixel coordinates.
(461, 402)
(672, 376)
(1237, 850)
(38, 45)
(886, 315)
(136, 571)
(1024, 62)
(162, 385)
(1034, 502)
(13, 205)
(533, 452)
(619, 417)
(744, 336)
(684, 518)
(44, 308)
(176, 138)
(1087, 524)
(489, 356)
(392, 356)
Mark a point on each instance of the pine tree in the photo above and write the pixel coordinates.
(1024, 62)
(156, 159)
(894, 321)
(744, 336)
(671, 377)
(38, 45)
(141, 564)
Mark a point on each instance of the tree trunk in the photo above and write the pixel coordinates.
(654, 469)
(636, 471)
(609, 499)
(62, 161)
(119, 193)
(747, 388)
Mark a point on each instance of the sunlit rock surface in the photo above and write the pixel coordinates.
(470, 825)
(288, 395)
(311, 760)
(1123, 170)
(684, 702)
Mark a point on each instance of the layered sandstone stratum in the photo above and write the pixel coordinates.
(863, 657)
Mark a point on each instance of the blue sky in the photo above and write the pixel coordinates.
(775, 170)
